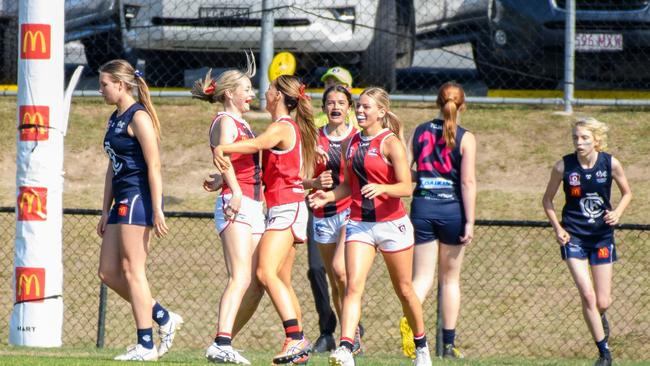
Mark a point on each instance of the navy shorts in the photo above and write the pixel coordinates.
(133, 209)
(446, 231)
(596, 251)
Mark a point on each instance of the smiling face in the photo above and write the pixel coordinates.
(369, 113)
(336, 107)
(243, 95)
(110, 89)
(584, 141)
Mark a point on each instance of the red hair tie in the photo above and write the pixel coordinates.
(301, 93)
(210, 89)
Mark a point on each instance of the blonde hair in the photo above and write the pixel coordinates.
(121, 70)
(294, 98)
(598, 130)
(215, 90)
(390, 120)
(451, 101)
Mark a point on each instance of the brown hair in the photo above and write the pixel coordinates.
(451, 101)
(390, 120)
(339, 89)
(214, 91)
(294, 98)
(121, 70)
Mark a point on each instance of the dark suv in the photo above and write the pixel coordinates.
(523, 43)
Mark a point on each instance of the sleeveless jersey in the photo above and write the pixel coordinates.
(281, 177)
(437, 192)
(332, 146)
(366, 164)
(125, 152)
(587, 194)
(246, 166)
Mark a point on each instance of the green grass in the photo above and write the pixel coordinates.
(10, 356)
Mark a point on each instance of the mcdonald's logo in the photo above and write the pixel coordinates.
(32, 204)
(34, 122)
(35, 41)
(30, 284)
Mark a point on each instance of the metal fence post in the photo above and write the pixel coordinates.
(266, 49)
(101, 321)
(569, 55)
(439, 344)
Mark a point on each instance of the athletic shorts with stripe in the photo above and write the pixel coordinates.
(291, 215)
(328, 229)
(250, 213)
(133, 208)
(387, 236)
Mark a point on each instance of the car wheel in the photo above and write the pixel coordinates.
(377, 65)
(103, 47)
(497, 74)
(406, 34)
(9, 51)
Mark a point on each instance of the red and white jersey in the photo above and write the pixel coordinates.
(246, 166)
(282, 180)
(332, 146)
(366, 164)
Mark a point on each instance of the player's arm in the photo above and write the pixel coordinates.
(273, 136)
(320, 198)
(468, 184)
(409, 157)
(225, 133)
(618, 174)
(107, 200)
(553, 185)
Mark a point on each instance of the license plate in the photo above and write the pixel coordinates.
(597, 42)
(223, 12)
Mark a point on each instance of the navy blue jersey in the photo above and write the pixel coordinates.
(125, 152)
(437, 191)
(587, 193)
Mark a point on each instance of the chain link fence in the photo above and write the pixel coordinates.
(518, 296)
(407, 46)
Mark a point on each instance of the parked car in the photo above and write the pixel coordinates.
(94, 22)
(447, 22)
(371, 37)
(523, 44)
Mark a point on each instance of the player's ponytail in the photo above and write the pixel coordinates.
(451, 101)
(121, 70)
(214, 90)
(390, 120)
(296, 99)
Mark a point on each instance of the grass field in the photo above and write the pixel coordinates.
(518, 298)
(80, 357)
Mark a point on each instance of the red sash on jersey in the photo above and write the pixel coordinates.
(366, 164)
(246, 166)
(282, 180)
(335, 162)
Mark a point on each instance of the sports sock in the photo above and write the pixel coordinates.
(420, 340)
(603, 348)
(159, 314)
(223, 339)
(448, 336)
(291, 329)
(347, 343)
(145, 338)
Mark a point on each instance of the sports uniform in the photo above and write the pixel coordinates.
(382, 221)
(130, 183)
(284, 191)
(248, 173)
(329, 219)
(437, 210)
(587, 196)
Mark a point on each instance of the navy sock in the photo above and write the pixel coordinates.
(159, 314)
(420, 340)
(448, 336)
(223, 339)
(603, 348)
(145, 338)
(347, 343)
(291, 329)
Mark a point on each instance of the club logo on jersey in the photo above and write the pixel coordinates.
(574, 179)
(575, 191)
(588, 176)
(603, 253)
(117, 165)
(120, 127)
(601, 176)
(373, 152)
(592, 206)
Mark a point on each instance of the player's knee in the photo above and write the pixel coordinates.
(588, 298)
(108, 275)
(263, 276)
(405, 290)
(354, 289)
(603, 303)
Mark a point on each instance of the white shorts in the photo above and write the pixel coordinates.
(250, 213)
(387, 236)
(291, 215)
(328, 229)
